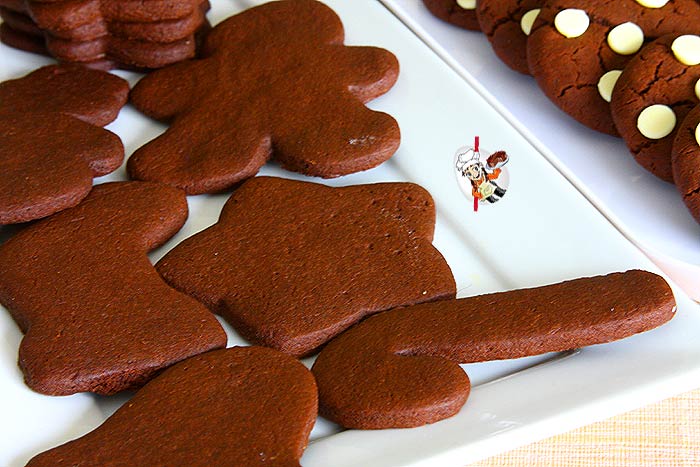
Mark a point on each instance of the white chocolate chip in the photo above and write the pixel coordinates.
(656, 121)
(652, 3)
(572, 22)
(626, 38)
(528, 20)
(607, 82)
(467, 4)
(697, 134)
(697, 89)
(687, 49)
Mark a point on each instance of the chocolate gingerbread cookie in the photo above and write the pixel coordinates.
(291, 264)
(18, 29)
(655, 92)
(96, 315)
(686, 160)
(276, 82)
(507, 25)
(578, 48)
(461, 13)
(68, 14)
(22, 40)
(51, 140)
(19, 21)
(14, 5)
(400, 368)
(243, 406)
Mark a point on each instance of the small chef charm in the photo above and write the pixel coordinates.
(481, 175)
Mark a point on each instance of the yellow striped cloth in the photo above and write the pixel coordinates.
(664, 434)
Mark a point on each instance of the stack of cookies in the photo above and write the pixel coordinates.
(105, 34)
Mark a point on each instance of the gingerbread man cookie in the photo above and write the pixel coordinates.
(243, 406)
(292, 264)
(655, 92)
(51, 143)
(400, 368)
(461, 13)
(275, 82)
(578, 49)
(686, 160)
(96, 315)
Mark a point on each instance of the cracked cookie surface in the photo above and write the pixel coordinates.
(653, 95)
(507, 25)
(686, 161)
(461, 13)
(577, 49)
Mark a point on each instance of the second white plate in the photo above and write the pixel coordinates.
(647, 210)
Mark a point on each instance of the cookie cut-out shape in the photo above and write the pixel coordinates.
(51, 143)
(568, 70)
(292, 264)
(243, 406)
(96, 314)
(276, 82)
(686, 161)
(653, 95)
(506, 24)
(461, 13)
(400, 368)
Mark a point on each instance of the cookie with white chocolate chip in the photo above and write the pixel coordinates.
(507, 25)
(686, 160)
(655, 92)
(578, 48)
(461, 13)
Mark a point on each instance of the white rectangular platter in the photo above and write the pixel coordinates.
(647, 210)
(525, 240)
